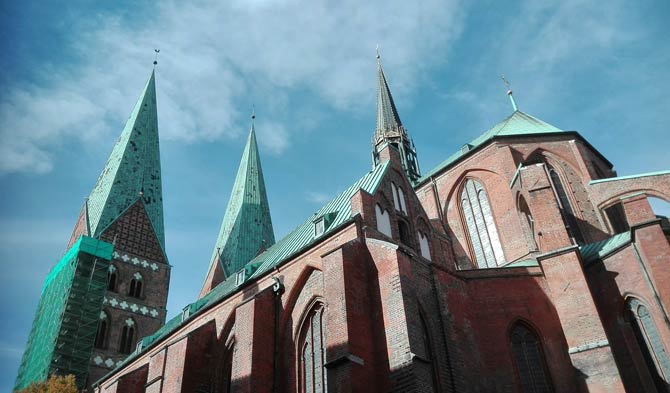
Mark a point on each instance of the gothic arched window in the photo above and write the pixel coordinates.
(650, 342)
(311, 352)
(565, 206)
(529, 360)
(428, 354)
(403, 231)
(528, 223)
(103, 328)
(383, 221)
(127, 336)
(111, 278)
(424, 246)
(135, 289)
(227, 370)
(482, 230)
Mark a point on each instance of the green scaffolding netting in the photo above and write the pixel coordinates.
(66, 321)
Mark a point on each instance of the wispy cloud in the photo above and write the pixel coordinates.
(272, 136)
(316, 197)
(214, 56)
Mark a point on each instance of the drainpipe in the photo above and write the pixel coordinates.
(278, 290)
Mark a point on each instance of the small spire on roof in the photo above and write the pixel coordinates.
(156, 57)
(509, 92)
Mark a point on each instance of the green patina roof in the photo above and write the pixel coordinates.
(387, 114)
(640, 175)
(594, 251)
(132, 168)
(337, 210)
(246, 229)
(523, 263)
(518, 123)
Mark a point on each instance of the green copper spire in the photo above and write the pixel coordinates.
(246, 230)
(132, 171)
(389, 128)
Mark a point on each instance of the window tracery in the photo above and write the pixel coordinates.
(480, 225)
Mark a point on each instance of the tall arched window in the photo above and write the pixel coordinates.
(650, 342)
(103, 328)
(227, 370)
(528, 223)
(564, 204)
(428, 355)
(311, 352)
(529, 360)
(111, 278)
(127, 336)
(481, 227)
(135, 289)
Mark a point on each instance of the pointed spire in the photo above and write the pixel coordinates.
(388, 120)
(133, 170)
(246, 230)
(389, 128)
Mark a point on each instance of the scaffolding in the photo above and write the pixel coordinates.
(63, 333)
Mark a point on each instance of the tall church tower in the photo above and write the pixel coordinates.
(390, 130)
(246, 230)
(111, 286)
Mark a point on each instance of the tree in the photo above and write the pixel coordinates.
(55, 384)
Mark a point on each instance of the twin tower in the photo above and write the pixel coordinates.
(110, 288)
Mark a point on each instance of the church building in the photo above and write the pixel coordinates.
(521, 263)
(110, 288)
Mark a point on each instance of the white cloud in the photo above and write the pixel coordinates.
(316, 197)
(556, 43)
(272, 136)
(214, 57)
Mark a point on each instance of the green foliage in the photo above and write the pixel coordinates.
(55, 384)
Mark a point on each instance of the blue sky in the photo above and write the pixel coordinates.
(71, 72)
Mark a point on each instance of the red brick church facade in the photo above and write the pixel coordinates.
(520, 264)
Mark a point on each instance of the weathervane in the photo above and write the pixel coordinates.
(509, 92)
(156, 56)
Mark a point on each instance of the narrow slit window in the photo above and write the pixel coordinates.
(127, 336)
(564, 204)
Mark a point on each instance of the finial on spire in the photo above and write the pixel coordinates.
(509, 92)
(378, 57)
(156, 56)
(253, 112)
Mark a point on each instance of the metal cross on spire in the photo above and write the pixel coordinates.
(156, 56)
(509, 92)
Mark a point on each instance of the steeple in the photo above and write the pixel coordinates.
(246, 230)
(388, 120)
(132, 172)
(389, 128)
